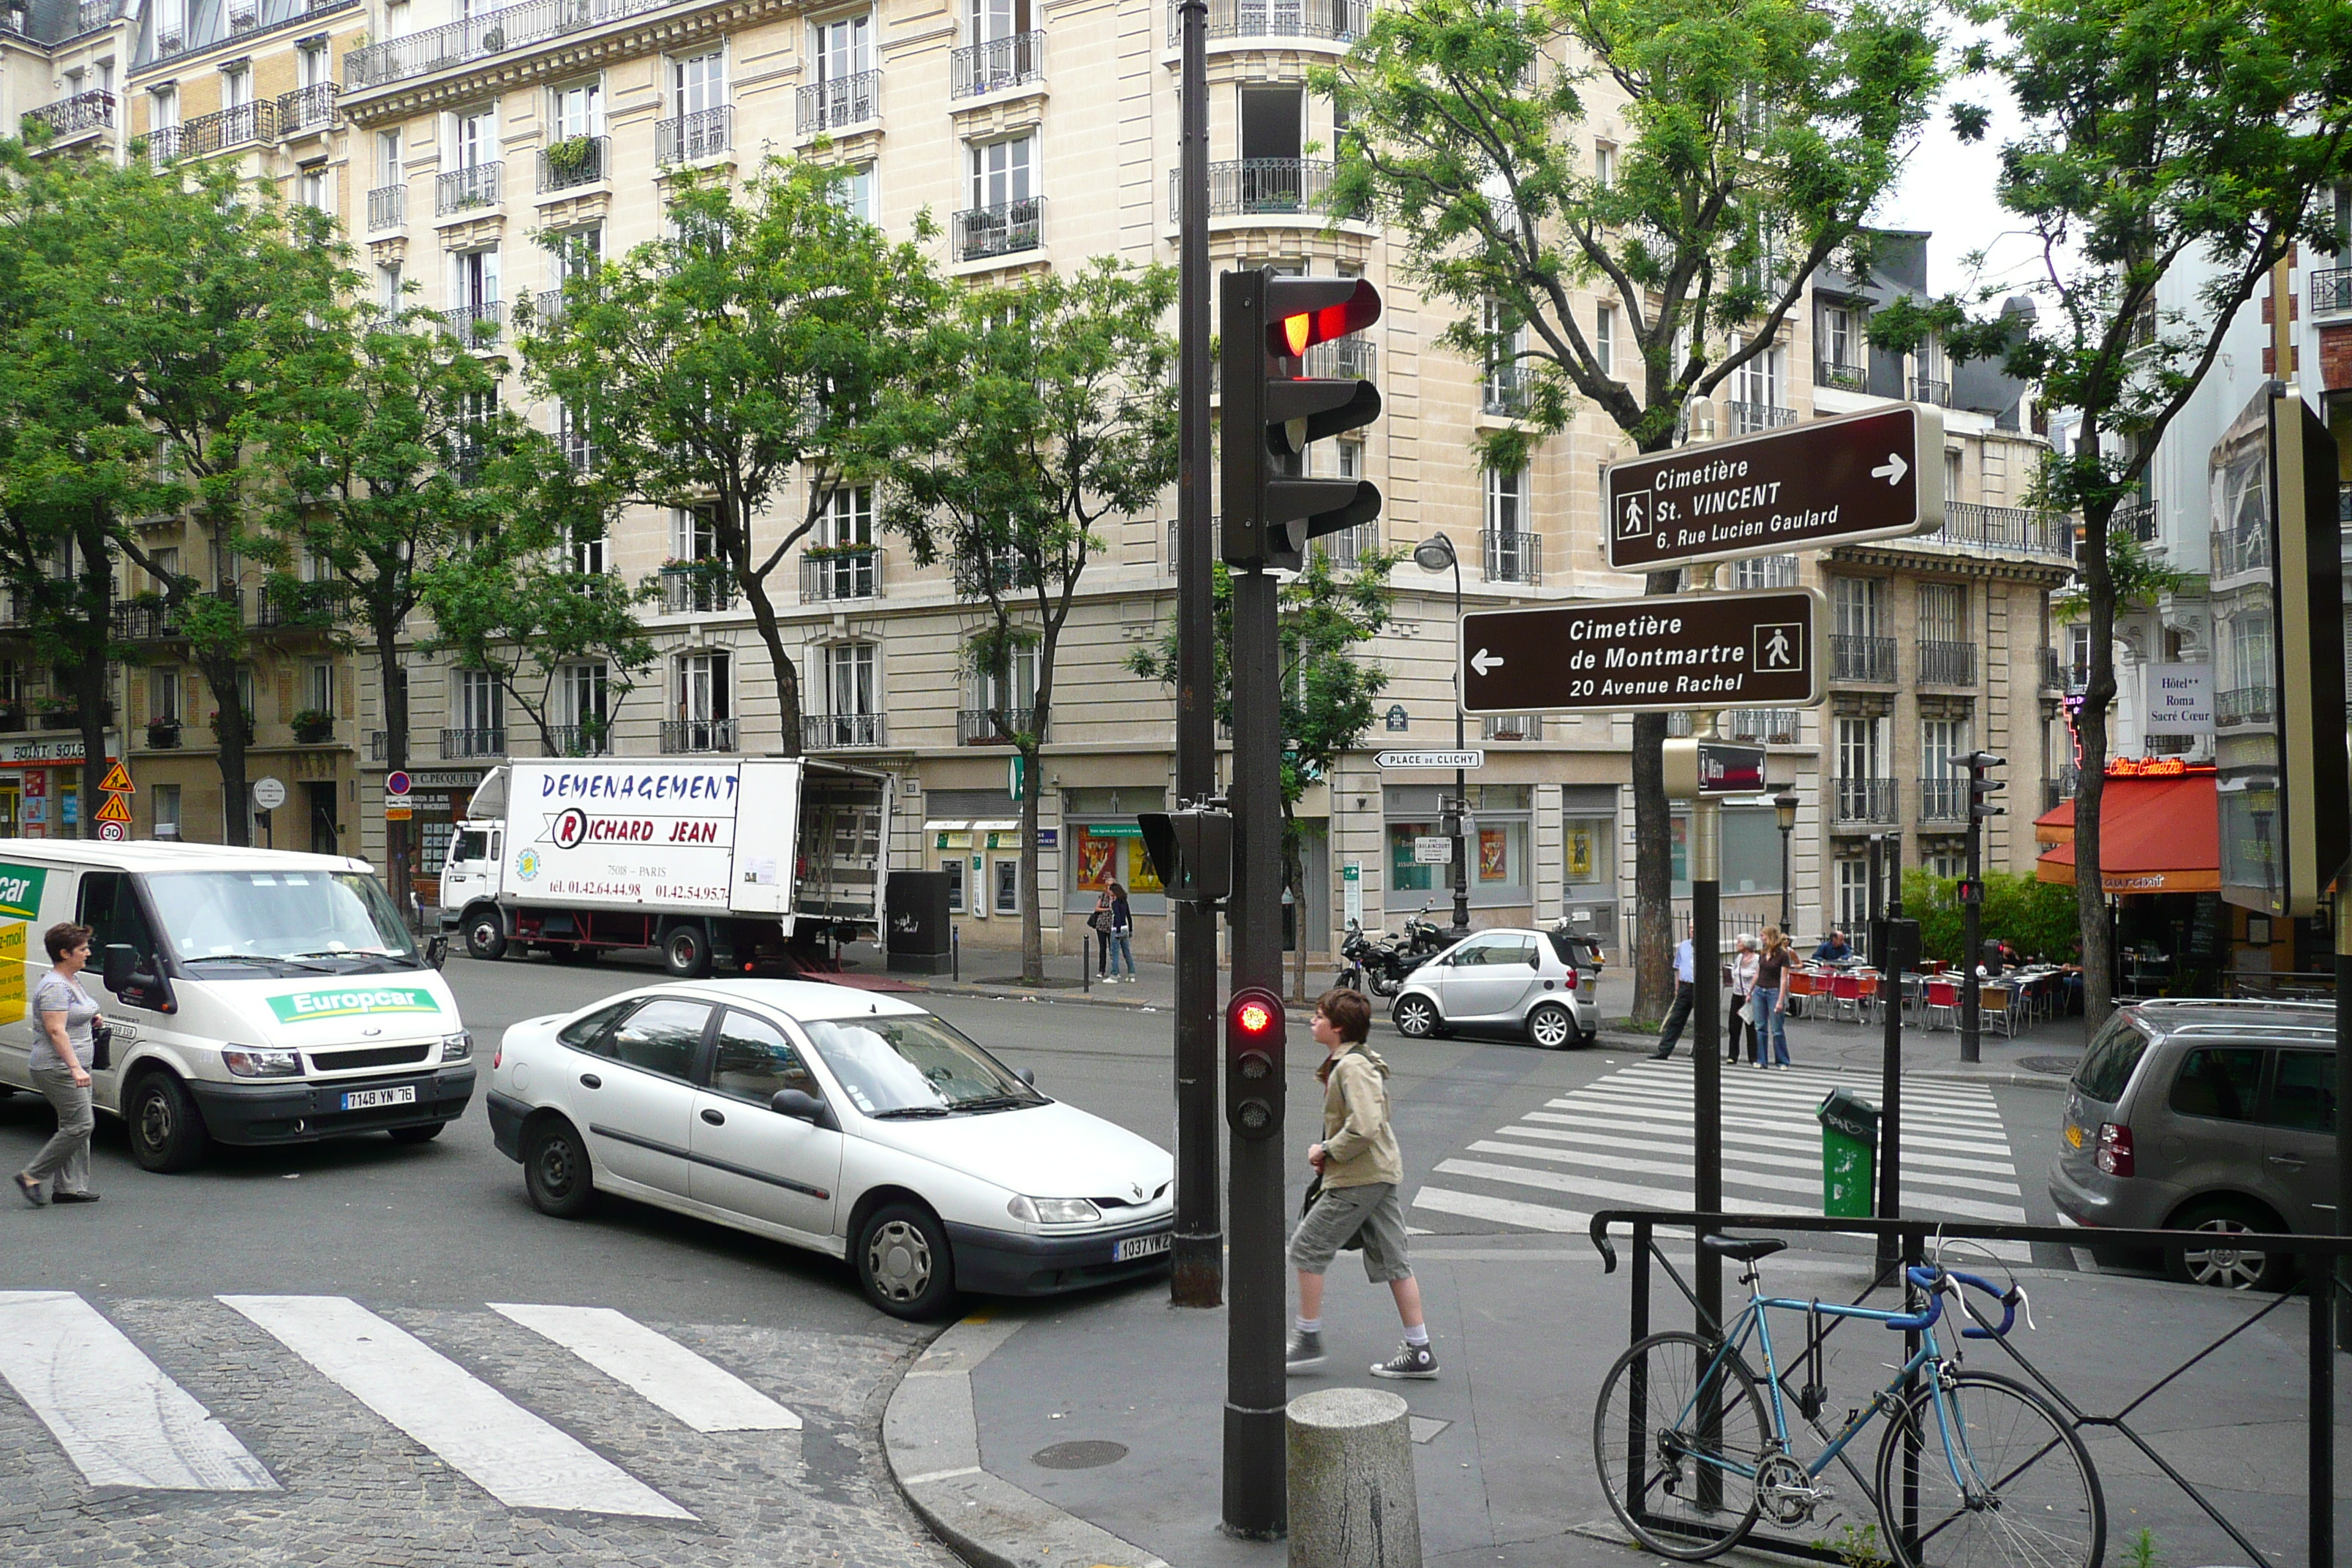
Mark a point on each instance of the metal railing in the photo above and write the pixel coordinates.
(486, 742)
(2236, 551)
(1347, 547)
(841, 574)
(1512, 557)
(703, 590)
(1943, 800)
(996, 64)
(2140, 518)
(461, 190)
(1865, 800)
(976, 726)
(683, 736)
(256, 121)
(1930, 389)
(1862, 658)
(2245, 705)
(2006, 528)
(1511, 727)
(2058, 791)
(92, 14)
(90, 110)
(142, 621)
(592, 738)
(1343, 357)
(840, 731)
(842, 100)
(1005, 229)
(1747, 418)
(2331, 291)
(305, 108)
(1837, 373)
(476, 326)
(483, 35)
(1947, 663)
(162, 145)
(1335, 21)
(1503, 391)
(573, 161)
(301, 605)
(387, 207)
(1765, 572)
(1259, 187)
(1766, 726)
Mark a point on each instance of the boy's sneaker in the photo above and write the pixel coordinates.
(1410, 1361)
(1304, 1354)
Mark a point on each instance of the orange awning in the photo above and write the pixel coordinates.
(2158, 836)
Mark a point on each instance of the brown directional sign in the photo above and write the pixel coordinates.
(1657, 655)
(1828, 481)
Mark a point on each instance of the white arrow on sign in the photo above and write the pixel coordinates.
(1482, 661)
(1892, 470)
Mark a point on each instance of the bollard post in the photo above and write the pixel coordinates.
(1352, 1501)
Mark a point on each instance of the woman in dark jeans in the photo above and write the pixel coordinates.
(1122, 927)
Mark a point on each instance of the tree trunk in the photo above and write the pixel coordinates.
(738, 550)
(392, 682)
(91, 671)
(236, 811)
(1033, 925)
(2091, 728)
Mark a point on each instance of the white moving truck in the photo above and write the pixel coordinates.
(256, 995)
(713, 862)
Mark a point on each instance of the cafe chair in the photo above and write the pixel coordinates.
(1943, 997)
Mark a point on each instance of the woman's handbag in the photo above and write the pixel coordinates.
(1314, 1191)
(1099, 921)
(102, 1042)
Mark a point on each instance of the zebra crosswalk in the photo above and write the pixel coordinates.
(1626, 1142)
(122, 1420)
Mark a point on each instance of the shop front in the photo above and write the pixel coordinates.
(1106, 846)
(1589, 861)
(2159, 863)
(436, 804)
(1499, 879)
(41, 786)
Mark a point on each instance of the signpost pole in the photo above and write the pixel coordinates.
(1972, 916)
(1707, 1084)
(1460, 782)
(1894, 958)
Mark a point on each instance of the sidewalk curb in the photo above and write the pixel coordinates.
(1015, 993)
(930, 1436)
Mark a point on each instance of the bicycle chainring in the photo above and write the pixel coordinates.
(1785, 1491)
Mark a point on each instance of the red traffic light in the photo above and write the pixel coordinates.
(1304, 311)
(1256, 1015)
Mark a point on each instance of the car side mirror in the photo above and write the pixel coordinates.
(437, 951)
(1026, 1075)
(798, 1104)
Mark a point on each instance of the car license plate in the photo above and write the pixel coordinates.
(369, 1098)
(2073, 1135)
(1143, 1246)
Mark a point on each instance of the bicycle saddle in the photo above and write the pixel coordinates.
(1747, 1248)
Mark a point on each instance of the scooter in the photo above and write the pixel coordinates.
(1380, 966)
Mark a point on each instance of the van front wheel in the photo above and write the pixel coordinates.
(167, 1130)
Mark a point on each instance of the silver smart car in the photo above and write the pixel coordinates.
(1536, 983)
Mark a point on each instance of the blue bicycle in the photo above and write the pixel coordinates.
(1692, 1455)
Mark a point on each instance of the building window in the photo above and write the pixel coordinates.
(1351, 456)
(388, 170)
(475, 138)
(481, 706)
(587, 550)
(849, 679)
(1943, 612)
(1604, 164)
(1008, 887)
(1855, 605)
(237, 87)
(388, 287)
(1604, 339)
(1765, 572)
(855, 193)
(1858, 752)
(1507, 501)
(1001, 172)
(162, 696)
(846, 521)
(167, 811)
(474, 282)
(1836, 333)
(694, 533)
(1947, 863)
(700, 82)
(1951, 473)
(312, 189)
(1852, 895)
(1506, 339)
(164, 107)
(703, 694)
(319, 687)
(844, 46)
(577, 110)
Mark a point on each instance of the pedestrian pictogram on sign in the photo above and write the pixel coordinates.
(115, 809)
(117, 779)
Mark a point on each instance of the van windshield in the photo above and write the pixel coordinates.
(338, 922)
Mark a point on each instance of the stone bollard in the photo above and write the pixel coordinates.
(1352, 1502)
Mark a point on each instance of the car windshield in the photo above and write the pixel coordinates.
(914, 1065)
(336, 922)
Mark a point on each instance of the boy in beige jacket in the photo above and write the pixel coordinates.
(1361, 1168)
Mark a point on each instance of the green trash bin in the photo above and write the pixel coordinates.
(1849, 1155)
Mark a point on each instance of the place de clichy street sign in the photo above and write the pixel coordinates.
(1758, 649)
(1827, 481)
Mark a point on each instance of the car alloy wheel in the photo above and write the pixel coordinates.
(1417, 1018)
(2228, 1268)
(1550, 1026)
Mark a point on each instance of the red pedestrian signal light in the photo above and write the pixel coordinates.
(1305, 313)
(1253, 1056)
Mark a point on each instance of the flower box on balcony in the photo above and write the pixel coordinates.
(12, 721)
(56, 715)
(312, 727)
(164, 736)
(572, 159)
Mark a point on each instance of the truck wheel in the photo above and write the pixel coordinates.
(486, 935)
(167, 1130)
(687, 952)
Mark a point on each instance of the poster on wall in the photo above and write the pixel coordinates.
(1097, 861)
(1492, 846)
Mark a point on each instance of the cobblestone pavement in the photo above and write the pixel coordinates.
(353, 1489)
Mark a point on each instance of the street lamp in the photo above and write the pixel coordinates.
(1784, 806)
(1436, 554)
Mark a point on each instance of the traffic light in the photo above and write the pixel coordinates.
(1981, 788)
(1192, 853)
(1253, 1050)
(1272, 411)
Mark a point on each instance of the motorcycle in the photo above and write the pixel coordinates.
(1380, 966)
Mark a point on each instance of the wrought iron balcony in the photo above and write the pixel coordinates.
(1765, 572)
(1343, 357)
(137, 621)
(686, 736)
(1511, 727)
(462, 190)
(490, 742)
(230, 128)
(1862, 658)
(575, 161)
(484, 33)
(2058, 791)
(307, 109)
(2237, 552)
(2331, 291)
(2006, 528)
(1943, 800)
(162, 145)
(1837, 373)
(1334, 21)
(1005, 229)
(2140, 519)
(840, 731)
(840, 102)
(387, 207)
(704, 589)
(1504, 391)
(1347, 547)
(1512, 556)
(1747, 418)
(2245, 705)
(1766, 726)
(1928, 389)
(311, 606)
(976, 726)
(1865, 801)
(703, 135)
(1947, 663)
(91, 111)
(1270, 187)
(476, 326)
(590, 737)
(836, 575)
(996, 65)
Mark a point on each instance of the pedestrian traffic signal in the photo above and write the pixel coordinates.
(1981, 788)
(1192, 853)
(1272, 411)
(1253, 1054)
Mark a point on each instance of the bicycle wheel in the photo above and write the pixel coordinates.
(2030, 1496)
(1684, 1484)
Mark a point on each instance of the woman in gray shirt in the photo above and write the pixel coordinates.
(61, 1049)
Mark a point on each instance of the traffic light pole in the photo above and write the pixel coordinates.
(1971, 918)
(1199, 1250)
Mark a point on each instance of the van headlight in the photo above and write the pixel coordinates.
(457, 1048)
(257, 1061)
(1053, 1211)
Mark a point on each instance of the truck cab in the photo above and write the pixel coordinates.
(469, 873)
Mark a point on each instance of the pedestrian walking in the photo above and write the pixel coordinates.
(1122, 932)
(1098, 922)
(1770, 1000)
(1743, 987)
(62, 1050)
(1358, 1168)
(1686, 994)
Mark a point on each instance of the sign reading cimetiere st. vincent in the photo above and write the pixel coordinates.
(1826, 481)
(1762, 650)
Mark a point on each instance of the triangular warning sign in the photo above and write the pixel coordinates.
(118, 778)
(116, 810)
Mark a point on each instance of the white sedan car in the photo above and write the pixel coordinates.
(854, 1125)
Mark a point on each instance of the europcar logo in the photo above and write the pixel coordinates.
(528, 865)
(20, 891)
(304, 1006)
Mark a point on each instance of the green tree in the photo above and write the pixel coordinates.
(2163, 141)
(1327, 694)
(1755, 137)
(1041, 410)
(707, 368)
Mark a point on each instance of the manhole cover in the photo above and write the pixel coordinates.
(2060, 1065)
(1083, 1455)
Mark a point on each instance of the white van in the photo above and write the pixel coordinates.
(256, 995)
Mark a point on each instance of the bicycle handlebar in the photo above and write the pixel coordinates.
(1932, 1281)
